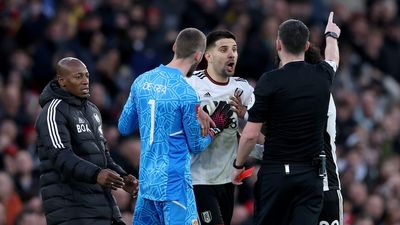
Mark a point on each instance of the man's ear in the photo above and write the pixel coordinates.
(61, 80)
(208, 56)
(197, 56)
(307, 46)
(174, 47)
(278, 45)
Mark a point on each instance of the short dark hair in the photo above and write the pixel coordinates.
(216, 35)
(189, 41)
(313, 55)
(294, 35)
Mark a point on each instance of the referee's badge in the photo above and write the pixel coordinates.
(206, 215)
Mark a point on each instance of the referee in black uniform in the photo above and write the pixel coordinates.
(293, 102)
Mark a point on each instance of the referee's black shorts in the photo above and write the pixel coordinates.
(288, 195)
(332, 208)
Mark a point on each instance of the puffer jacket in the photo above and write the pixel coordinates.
(72, 151)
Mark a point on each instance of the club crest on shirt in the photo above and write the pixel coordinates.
(96, 117)
(206, 215)
(238, 92)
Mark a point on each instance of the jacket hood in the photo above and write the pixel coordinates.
(54, 91)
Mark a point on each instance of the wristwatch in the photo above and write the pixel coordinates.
(237, 167)
(331, 34)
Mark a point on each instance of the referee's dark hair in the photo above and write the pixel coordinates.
(294, 35)
(311, 56)
(216, 35)
(188, 42)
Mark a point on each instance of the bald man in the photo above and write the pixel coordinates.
(77, 172)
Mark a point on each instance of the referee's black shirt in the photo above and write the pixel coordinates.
(293, 102)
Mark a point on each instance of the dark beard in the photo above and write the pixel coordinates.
(192, 69)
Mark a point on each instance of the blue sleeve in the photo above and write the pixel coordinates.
(192, 128)
(128, 121)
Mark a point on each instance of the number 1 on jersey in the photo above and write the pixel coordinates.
(152, 104)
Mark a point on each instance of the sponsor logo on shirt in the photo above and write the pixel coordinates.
(82, 126)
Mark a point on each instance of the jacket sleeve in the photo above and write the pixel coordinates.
(128, 120)
(112, 165)
(192, 128)
(54, 134)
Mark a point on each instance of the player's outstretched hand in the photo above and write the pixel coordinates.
(110, 179)
(236, 176)
(131, 185)
(331, 26)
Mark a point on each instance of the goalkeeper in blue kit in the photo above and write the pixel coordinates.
(166, 110)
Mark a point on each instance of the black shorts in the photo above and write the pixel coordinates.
(289, 195)
(214, 203)
(332, 209)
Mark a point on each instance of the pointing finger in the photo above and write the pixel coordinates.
(330, 18)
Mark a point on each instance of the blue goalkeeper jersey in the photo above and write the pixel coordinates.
(163, 106)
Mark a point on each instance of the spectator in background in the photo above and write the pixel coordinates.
(128, 154)
(9, 198)
(2, 214)
(100, 97)
(365, 220)
(30, 217)
(26, 180)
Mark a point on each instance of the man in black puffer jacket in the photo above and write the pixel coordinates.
(77, 172)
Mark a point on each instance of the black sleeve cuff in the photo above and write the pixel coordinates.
(94, 178)
(237, 167)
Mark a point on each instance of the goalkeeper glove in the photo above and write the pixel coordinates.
(214, 131)
(221, 117)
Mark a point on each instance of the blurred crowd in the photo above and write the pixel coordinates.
(120, 39)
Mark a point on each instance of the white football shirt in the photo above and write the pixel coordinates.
(214, 165)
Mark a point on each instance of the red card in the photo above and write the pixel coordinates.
(245, 174)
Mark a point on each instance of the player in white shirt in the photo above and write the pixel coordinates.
(211, 169)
